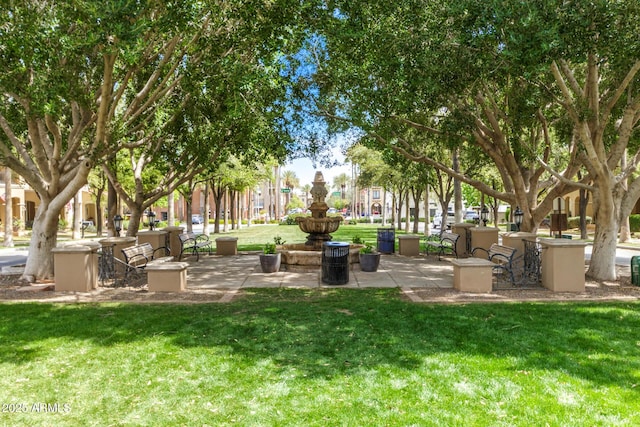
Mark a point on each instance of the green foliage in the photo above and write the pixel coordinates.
(574, 221)
(269, 248)
(357, 240)
(367, 249)
(278, 240)
(291, 219)
(634, 223)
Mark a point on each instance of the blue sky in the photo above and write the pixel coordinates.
(305, 170)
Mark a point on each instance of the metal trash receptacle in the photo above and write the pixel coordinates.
(635, 270)
(386, 240)
(335, 263)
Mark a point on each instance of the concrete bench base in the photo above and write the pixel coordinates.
(472, 275)
(167, 276)
(227, 246)
(409, 244)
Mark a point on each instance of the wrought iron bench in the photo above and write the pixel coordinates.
(137, 257)
(502, 256)
(194, 243)
(442, 243)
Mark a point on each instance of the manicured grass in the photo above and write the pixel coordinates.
(253, 238)
(339, 357)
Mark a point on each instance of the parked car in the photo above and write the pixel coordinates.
(197, 219)
(437, 220)
(471, 216)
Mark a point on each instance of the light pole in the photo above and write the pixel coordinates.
(517, 216)
(151, 216)
(117, 224)
(484, 215)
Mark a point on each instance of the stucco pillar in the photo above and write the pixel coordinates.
(156, 238)
(463, 246)
(74, 268)
(483, 237)
(226, 246)
(409, 244)
(174, 241)
(563, 265)
(516, 240)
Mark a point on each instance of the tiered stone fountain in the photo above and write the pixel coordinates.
(319, 228)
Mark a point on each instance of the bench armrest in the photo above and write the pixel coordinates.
(473, 251)
(165, 251)
(202, 238)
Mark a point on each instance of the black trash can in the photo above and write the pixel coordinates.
(635, 270)
(386, 240)
(335, 263)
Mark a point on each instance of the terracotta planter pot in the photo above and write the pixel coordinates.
(369, 262)
(270, 263)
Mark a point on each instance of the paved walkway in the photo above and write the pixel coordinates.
(243, 271)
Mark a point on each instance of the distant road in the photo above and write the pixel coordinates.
(9, 257)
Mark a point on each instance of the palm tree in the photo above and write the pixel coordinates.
(340, 183)
(306, 188)
(291, 181)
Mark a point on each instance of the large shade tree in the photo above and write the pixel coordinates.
(83, 80)
(542, 89)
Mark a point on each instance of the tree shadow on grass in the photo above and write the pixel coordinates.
(328, 333)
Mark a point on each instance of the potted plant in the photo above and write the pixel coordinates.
(369, 258)
(270, 259)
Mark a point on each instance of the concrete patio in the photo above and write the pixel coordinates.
(243, 271)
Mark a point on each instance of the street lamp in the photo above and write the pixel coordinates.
(152, 219)
(517, 216)
(484, 215)
(117, 224)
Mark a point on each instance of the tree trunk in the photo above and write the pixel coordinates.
(457, 189)
(76, 216)
(602, 266)
(134, 220)
(205, 214)
(112, 207)
(99, 220)
(416, 216)
(189, 202)
(384, 207)
(39, 264)
(170, 214)
(399, 209)
(407, 213)
(8, 210)
(427, 213)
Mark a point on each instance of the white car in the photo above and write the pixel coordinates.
(451, 219)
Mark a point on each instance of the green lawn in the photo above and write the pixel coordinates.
(339, 357)
(254, 237)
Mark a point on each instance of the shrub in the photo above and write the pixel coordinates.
(574, 221)
(367, 249)
(634, 223)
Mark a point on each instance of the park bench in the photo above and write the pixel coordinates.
(442, 243)
(138, 257)
(194, 243)
(503, 258)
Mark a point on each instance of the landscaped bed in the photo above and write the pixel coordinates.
(332, 357)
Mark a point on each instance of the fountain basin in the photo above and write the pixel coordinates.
(326, 225)
(303, 257)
